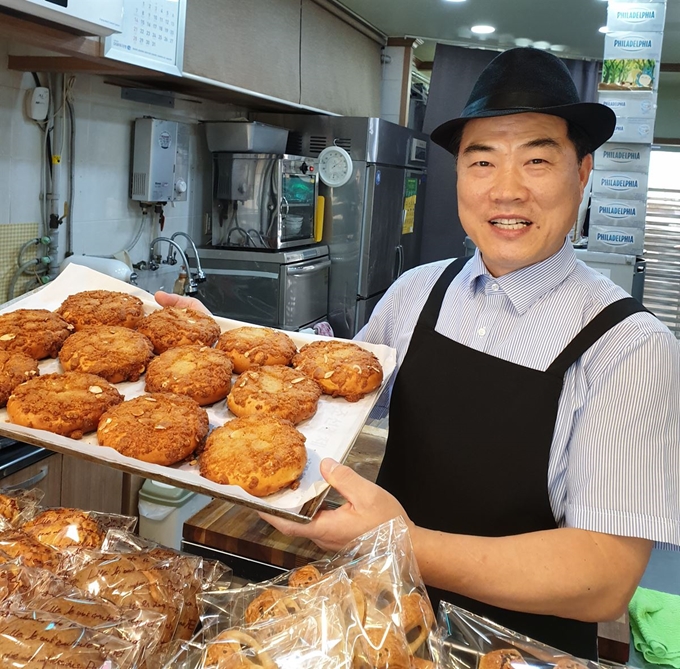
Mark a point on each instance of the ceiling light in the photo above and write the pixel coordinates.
(523, 41)
(542, 45)
(483, 30)
(558, 47)
(604, 29)
(454, 0)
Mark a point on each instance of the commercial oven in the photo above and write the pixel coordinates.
(285, 289)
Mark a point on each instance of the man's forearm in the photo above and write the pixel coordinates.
(566, 572)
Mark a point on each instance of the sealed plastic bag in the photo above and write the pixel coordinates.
(64, 527)
(388, 615)
(191, 573)
(464, 640)
(34, 640)
(17, 506)
(142, 627)
(21, 547)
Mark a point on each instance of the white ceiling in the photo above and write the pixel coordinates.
(571, 24)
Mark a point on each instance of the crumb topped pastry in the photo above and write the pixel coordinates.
(113, 352)
(201, 372)
(171, 326)
(36, 332)
(341, 368)
(15, 368)
(251, 346)
(69, 404)
(274, 390)
(102, 307)
(161, 428)
(260, 454)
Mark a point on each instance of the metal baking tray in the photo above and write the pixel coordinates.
(331, 432)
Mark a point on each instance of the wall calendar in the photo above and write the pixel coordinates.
(152, 35)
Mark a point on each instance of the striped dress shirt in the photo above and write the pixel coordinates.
(615, 456)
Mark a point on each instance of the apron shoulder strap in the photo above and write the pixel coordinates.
(610, 316)
(430, 312)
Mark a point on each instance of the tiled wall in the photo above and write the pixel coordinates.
(104, 219)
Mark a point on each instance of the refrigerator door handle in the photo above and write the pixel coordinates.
(400, 261)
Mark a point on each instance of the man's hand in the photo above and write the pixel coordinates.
(180, 301)
(368, 505)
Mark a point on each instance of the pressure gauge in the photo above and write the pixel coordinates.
(335, 166)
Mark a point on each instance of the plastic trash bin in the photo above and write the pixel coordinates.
(163, 510)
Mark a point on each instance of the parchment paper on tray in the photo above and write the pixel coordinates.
(330, 432)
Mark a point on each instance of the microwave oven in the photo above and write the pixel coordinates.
(100, 17)
(264, 201)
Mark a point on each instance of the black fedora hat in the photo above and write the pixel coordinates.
(529, 80)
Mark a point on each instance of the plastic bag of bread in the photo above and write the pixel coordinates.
(318, 633)
(132, 581)
(256, 603)
(389, 592)
(20, 547)
(20, 583)
(66, 528)
(17, 506)
(195, 574)
(464, 640)
(142, 627)
(388, 597)
(35, 640)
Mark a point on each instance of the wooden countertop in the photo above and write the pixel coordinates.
(235, 529)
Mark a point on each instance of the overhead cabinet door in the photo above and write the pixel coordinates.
(252, 45)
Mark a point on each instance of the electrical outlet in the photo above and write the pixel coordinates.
(37, 103)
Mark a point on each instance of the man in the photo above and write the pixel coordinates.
(534, 441)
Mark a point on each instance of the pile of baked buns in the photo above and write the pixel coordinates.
(103, 338)
(78, 590)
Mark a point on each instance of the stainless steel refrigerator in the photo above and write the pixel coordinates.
(373, 223)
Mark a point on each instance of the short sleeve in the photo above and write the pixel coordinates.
(624, 454)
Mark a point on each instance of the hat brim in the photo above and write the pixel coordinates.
(597, 121)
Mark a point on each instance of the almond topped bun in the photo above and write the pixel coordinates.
(274, 390)
(201, 372)
(161, 428)
(102, 307)
(171, 326)
(251, 346)
(260, 454)
(115, 353)
(341, 368)
(15, 368)
(36, 332)
(69, 404)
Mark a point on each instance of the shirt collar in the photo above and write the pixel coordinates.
(525, 286)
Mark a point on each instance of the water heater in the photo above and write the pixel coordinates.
(160, 161)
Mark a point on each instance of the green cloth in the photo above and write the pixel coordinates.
(655, 624)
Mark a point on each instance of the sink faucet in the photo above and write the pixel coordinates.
(200, 274)
(190, 288)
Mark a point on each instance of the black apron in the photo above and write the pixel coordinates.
(469, 443)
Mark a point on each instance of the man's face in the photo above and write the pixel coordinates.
(519, 188)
